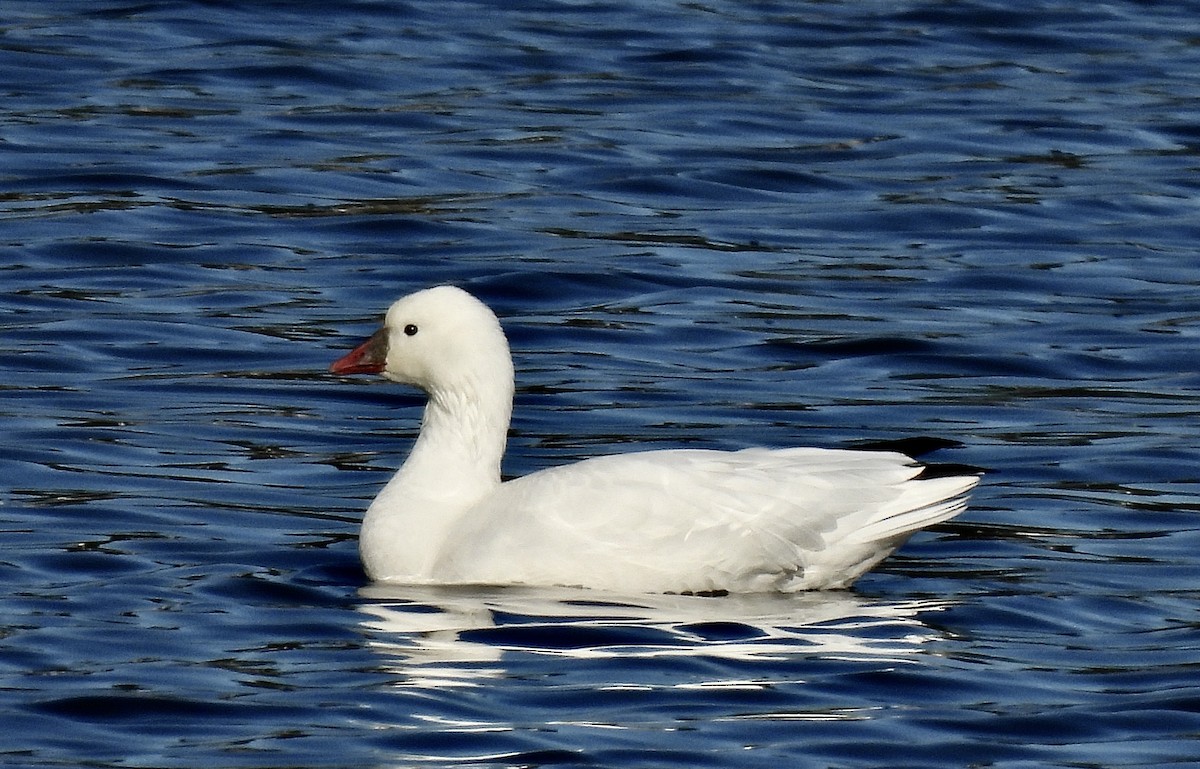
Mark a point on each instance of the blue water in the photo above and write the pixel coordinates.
(705, 224)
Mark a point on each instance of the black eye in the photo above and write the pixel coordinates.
(410, 330)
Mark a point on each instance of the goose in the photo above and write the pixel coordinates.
(692, 521)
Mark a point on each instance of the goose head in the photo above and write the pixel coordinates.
(441, 340)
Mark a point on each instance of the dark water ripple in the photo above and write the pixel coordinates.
(704, 224)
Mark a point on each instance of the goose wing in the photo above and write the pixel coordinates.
(697, 520)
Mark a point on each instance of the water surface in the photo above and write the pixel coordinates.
(703, 224)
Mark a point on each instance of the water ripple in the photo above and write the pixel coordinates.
(703, 225)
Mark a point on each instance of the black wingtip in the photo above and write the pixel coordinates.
(916, 446)
(949, 470)
(919, 446)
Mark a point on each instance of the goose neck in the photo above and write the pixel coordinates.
(465, 432)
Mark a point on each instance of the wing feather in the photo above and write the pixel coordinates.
(709, 520)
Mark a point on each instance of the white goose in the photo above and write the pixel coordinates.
(659, 521)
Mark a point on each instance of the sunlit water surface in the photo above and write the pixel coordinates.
(704, 224)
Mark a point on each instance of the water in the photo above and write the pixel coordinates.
(704, 224)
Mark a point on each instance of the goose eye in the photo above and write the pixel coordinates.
(410, 330)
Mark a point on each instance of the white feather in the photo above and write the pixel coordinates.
(661, 521)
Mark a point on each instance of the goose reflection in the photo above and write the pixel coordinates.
(441, 637)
